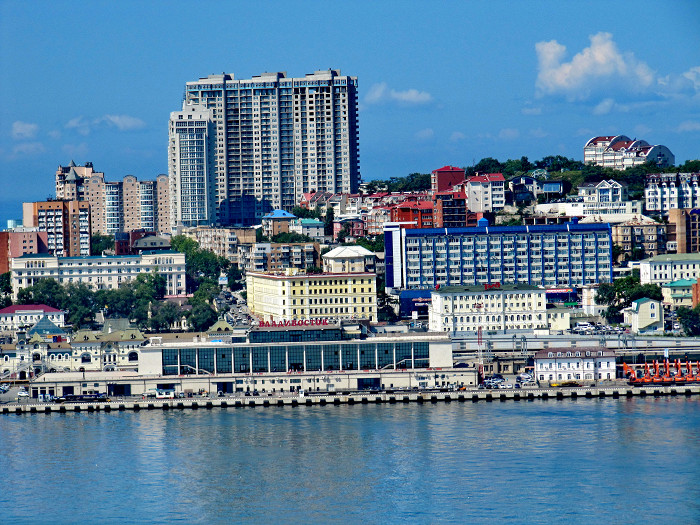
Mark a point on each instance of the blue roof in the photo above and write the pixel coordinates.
(279, 214)
(549, 228)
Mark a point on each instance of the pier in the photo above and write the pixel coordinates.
(355, 398)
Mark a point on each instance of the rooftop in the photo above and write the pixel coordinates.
(483, 288)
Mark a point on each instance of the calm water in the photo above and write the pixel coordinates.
(584, 461)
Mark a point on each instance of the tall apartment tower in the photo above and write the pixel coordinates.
(126, 205)
(275, 138)
(65, 222)
(191, 151)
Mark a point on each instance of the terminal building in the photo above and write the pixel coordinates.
(569, 254)
(282, 359)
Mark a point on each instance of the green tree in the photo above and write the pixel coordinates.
(374, 245)
(689, 320)
(291, 237)
(101, 243)
(44, 291)
(303, 213)
(328, 221)
(5, 289)
(201, 317)
(80, 304)
(164, 314)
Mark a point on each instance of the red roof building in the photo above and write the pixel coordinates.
(443, 179)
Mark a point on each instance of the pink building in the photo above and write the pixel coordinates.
(21, 241)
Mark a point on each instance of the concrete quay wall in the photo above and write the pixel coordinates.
(355, 398)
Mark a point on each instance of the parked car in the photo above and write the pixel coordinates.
(22, 393)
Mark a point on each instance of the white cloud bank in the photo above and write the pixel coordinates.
(24, 130)
(597, 65)
(381, 92)
(121, 122)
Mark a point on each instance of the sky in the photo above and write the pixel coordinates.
(440, 83)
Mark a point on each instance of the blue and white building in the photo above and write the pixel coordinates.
(569, 254)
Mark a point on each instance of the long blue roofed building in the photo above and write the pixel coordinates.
(569, 254)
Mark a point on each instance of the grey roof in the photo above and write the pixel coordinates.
(72, 176)
(45, 327)
(481, 288)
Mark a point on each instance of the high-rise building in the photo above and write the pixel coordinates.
(66, 223)
(116, 206)
(273, 139)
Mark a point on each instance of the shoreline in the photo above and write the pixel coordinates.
(474, 396)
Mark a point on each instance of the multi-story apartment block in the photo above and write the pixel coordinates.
(667, 268)
(298, 296)
(605, 197)
(569, 254)
(66, 223)
(21, 241)
(267, 256)
(446, 178)
(309, 227)
(413, 210)
(640, 233)
(377, 217)
(620, 152)
(667, 191)
(277, 138)
(276, 222)
(496, 308)
(224, 242)
(99, 273)
(683, 230)
(485, 192)
(116, 206)
(191, 166)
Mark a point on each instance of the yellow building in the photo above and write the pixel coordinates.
(295, 295)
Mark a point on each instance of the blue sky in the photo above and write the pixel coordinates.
(440, 82)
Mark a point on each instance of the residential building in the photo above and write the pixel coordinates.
(277, 257)
(445, 178)
(99, 273)
(575, 364)
(224, 242)
(678, 293)
(450, 211)
(488, 307)
(667, 268)
(277, 138)
(116, 206)
(377, 217)
(570, 254)
(137, 241)
(192, 166)
(666, 191)
(276, 222)
(605, 197)
(639, 236)
(485, 192)
(353, 228)
(644, 316)
(620, 152)
(309, 227)
(66, 223)
(295, 296)
(21, 316)
(413, 210)
(21, 241)
(349, 259)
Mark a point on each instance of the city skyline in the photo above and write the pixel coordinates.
(449, 86)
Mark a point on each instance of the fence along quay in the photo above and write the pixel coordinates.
(351, 398)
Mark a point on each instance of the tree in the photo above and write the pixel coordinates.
(314, 270)
(328, 221)
(303, 213)
(373, 245)
(164, 314)
(44, 291)
(689, 319)
(101, 243)
(291, 237)
(201, 317)
(620, 294)
(5, 289)
(80, 304)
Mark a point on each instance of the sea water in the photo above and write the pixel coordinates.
(569, 461)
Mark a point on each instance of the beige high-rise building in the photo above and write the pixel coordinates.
(116, 206)
(66, 223)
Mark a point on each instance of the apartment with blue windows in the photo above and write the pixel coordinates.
(569, 254)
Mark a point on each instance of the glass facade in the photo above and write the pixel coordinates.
(284, 358)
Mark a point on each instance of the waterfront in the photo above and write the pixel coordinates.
(588, 460)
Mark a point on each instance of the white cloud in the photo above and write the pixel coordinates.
(121, 122)
(531, 111)
(55, 134)
(604, 107)
(79, 124)
(26, 149)
(424, 134)
(24, 130)
(381, 92)
(598, 66)
(457, 136)
(508, 134)
(688, 125)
